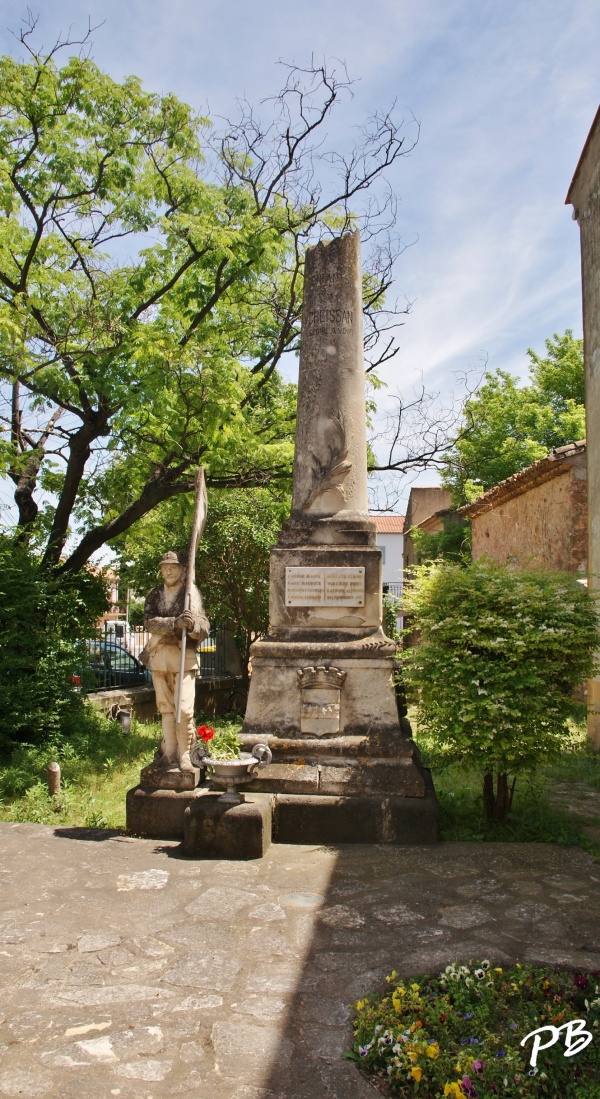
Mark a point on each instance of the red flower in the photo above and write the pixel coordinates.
(206, 732)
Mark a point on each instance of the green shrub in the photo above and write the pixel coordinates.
(452, 544)
(499, 653)
(391, 609)
(44, 619)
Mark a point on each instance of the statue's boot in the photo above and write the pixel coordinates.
(185, 735)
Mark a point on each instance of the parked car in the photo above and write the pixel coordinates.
(110, 665)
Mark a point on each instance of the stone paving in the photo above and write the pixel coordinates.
(130, 971)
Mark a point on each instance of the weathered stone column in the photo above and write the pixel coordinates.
(584, 195)
(330, 464)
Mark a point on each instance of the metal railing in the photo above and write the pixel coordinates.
(114, 660)
(393, 588)
(110, 666)
(212, 655)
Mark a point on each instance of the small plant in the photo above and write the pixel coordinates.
(224, 743)
(391, 609)
(499, 653)
(469, 1033)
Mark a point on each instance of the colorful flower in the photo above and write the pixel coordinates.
(455, 1090)
(416, 1073)
(477, 1066)
(205, 732)
(469, 1088)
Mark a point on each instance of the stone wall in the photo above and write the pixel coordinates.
(213, 697)
(544, 526)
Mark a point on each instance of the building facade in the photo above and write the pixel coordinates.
(584, 196)
(538, 517)
(390, 539)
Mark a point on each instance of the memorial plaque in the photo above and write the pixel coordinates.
(324, 587)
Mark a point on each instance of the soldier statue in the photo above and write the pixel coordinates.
(174, 616)
(165, 617)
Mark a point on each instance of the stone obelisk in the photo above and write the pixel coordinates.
(322, 694)
(330, 464)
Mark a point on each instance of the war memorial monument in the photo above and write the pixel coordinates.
(344, 768)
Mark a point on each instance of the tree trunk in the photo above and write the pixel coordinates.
(499, 802)
(79, 452)
(488, 795)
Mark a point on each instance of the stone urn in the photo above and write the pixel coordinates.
(231, 773)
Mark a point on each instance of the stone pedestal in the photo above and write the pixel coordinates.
(158, 813)
(314, 818)
(215, 829)
(169, 778)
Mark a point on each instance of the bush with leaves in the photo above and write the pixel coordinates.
(391, 609)
(44, 621)
(453, 543)
(500, 651)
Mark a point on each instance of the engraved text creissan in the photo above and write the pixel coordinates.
(330, 316)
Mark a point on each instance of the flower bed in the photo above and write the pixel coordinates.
(467, 1034)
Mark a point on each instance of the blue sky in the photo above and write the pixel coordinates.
(505, 92)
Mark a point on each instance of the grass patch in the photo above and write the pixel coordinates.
(99, 764)
(534, 817)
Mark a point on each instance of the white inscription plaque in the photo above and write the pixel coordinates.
(335, 587)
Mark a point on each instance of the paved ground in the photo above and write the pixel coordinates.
(129, 971)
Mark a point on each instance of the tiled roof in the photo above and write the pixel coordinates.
(388, 524)
(551, 465)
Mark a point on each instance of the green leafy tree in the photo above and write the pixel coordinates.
(232, 563)
(500, 652)
(508, 426)
(150, 283)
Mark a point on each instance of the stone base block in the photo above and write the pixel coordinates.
(158, 814)
(169, 778)
(313, 818)
(342, 778)
(218, 830)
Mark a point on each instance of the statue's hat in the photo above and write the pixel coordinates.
(172, 558)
